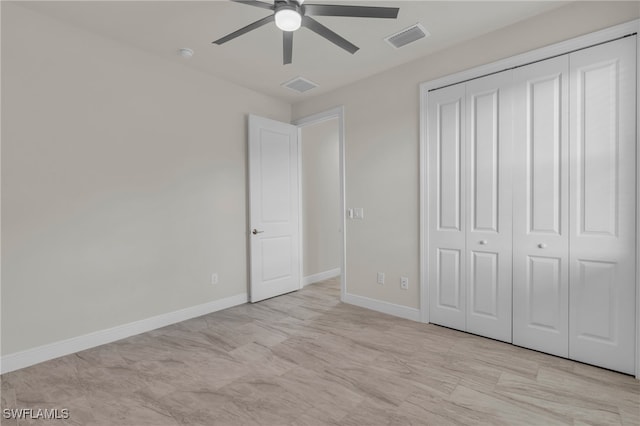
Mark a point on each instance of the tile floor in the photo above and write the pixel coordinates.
(307, 359)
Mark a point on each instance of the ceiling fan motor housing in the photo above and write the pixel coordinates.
(285, 5)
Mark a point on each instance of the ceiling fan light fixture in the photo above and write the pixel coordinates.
(288, 19)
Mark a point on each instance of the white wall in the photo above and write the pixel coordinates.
(382, 140)
(320, 197)
(123, 182)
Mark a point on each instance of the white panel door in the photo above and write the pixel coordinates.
(541, 207)
(447, 290)
(488, 194)
(274, 209)
(602, 205)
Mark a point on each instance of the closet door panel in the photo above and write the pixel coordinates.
(488, 255)
(449, 285)
(447, 289)
(484, 138)
(545, 292)
(483, 284)
(540, 207)
(603, 214)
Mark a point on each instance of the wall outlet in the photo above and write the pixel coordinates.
(404, 283)
(214, 278)
(381, 278)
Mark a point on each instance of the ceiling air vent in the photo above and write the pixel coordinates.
(408, 35)
(300, 84)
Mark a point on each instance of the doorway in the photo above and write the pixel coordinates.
(322, 197)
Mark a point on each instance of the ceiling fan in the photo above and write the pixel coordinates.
(290, 15)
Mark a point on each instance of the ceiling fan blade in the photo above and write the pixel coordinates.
(325, 32)
(351, 11)
(246, 29)
(255, 3)
(287, 38)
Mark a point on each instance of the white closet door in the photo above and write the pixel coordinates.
(488, 236)
(541, 207)
(602, 206)
(446, 109)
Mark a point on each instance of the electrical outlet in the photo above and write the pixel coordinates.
(381, 278)
(214, 278)
(404, 283)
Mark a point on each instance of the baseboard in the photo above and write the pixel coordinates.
(18, 360)
(321, 276)
(401, 311)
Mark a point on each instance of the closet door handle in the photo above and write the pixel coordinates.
(542, 246)
(483, 242)
(256, 232)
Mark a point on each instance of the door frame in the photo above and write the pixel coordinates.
(561, 48)
(333, 113)
(637, 25)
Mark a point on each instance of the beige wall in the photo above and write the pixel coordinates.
(382, 142)
(320, 197)
(123, 182)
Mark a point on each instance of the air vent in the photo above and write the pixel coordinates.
(300, 84)
(408, 35)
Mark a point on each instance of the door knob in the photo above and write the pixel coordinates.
(256, 232)
(483, 242)
(542, 245)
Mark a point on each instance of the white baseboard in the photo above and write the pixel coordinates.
(321, 276)
(18, 360)
(401, 311)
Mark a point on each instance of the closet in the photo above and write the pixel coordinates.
(531, 211)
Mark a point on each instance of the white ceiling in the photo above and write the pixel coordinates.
(254, 60)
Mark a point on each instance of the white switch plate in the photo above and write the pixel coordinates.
(404, 283)
(350, 213)
(358, 213)
(381, 278)
(214, 278)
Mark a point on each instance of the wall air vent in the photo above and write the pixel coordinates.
(408, 35)
(300, 84)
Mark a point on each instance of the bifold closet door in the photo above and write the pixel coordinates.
(603, 205)
(447, 218)
(532, 205)
(470, 206)
(488, 193)
(541, 207)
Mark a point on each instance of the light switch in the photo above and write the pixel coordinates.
(358, 213)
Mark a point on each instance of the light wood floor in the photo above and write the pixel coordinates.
(307, 359)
